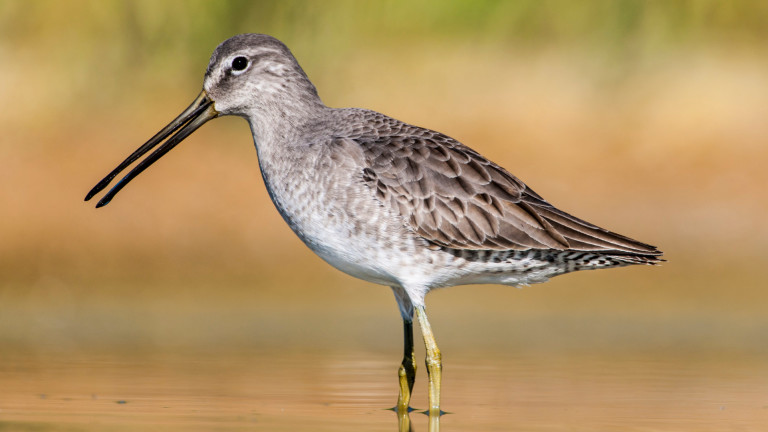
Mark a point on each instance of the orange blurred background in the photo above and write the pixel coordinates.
(647, 118)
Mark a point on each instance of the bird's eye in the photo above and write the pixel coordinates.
(239, 64)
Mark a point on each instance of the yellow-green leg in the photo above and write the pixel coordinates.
(407, 371)
(434, 362)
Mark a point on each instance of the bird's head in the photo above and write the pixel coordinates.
(249, 75)
(256, 72)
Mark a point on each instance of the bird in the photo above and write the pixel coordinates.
(383, 200)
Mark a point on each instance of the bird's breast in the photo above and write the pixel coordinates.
(331, 210)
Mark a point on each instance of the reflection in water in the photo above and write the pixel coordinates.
(404, 421)
(346, 391)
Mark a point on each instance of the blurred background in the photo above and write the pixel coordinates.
(644, 117)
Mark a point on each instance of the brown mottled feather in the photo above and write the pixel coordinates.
(453, 197)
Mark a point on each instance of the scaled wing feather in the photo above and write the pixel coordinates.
(453, 197)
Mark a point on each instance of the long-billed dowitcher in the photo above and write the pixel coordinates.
(382, 200)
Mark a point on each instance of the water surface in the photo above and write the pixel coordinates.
(350, 391)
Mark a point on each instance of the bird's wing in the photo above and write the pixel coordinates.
(453, 197)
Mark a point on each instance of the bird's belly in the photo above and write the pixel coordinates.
(360, 266)
(347, 247)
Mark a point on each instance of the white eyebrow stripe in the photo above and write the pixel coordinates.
(264, 51)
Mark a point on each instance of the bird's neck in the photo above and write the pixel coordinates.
(280, 124)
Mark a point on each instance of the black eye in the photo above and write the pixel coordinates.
(239, 63)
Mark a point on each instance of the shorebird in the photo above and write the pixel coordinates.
(382, 200)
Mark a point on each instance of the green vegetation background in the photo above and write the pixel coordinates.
(646, 117)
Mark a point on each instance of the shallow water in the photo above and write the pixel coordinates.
(350, 391)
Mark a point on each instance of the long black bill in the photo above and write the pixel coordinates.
(188, 121)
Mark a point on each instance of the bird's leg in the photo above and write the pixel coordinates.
(407, 371)
(434, 363)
